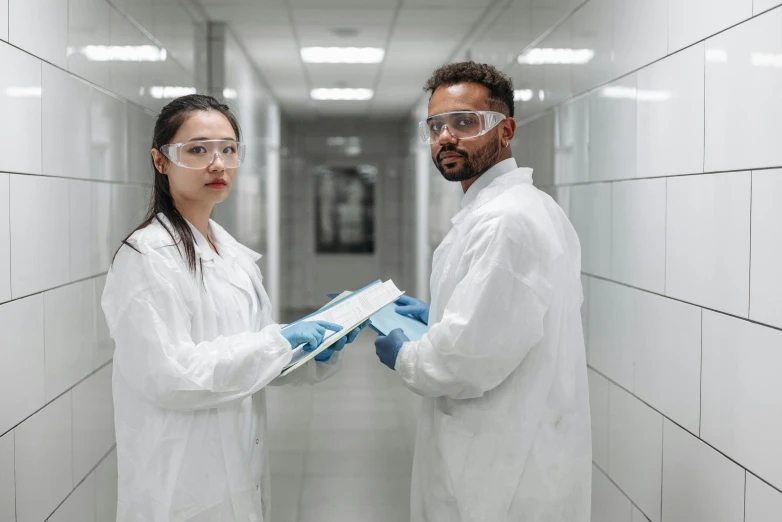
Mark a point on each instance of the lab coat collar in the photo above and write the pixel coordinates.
(485, 179)
(223, 240)
(491, 184)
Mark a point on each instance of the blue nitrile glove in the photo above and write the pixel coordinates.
(414, 308)
(308, 333)
(326, 354)
(387, 347)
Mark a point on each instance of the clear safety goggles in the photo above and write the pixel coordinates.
(200, 154)
(462, 125)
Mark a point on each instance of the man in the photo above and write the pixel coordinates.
(504, 430)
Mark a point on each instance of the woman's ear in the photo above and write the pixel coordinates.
(161, 162)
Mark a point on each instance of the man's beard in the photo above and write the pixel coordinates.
(472, 165)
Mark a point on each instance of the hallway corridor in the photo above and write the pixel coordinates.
(342, 450)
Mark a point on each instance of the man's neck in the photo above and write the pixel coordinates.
(466, 184)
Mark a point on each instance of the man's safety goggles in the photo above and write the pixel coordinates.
(200, 154)
(462, 125)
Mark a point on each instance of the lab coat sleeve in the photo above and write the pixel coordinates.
(150, 323)
(492, 320)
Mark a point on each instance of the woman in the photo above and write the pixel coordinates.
(195, 341)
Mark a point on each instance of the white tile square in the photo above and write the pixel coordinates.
(693, 20)
(638, 233)
(39, 234)
(22, 376)
(613, 130)
(538, 150)
(590, 213)
(7, 481)
(571, 142)
(104, 344)
(670, 115)
(69, 336)
(742, 393)
(44, 474)
(640, 33)
(598, 406)
(109, 125)
(128, 207)
(88, 24)
(611, 330)
(66, 125)
(709, 228)
(760, 6)
(40, 27)
(636, 451)
(126, 77)
(80, 506)
(764, 503)
(20, 110)
(608, 503)
(766, 274)
(106, 489)
(93, 422)
(668, 358)
(140, 130)
(4, 20)
(743, 106)
(5, 238)
(592, 28)
(90, 218)
(698, 482)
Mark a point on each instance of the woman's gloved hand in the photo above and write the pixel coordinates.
(326, 354)
(308, 333)
(413, 307)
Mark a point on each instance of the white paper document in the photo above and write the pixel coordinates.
(348, 312)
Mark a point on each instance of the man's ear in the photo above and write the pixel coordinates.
(161, 162)
(508, 129)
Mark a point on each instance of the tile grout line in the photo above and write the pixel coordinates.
(104, 365)
(749, 281)
(700, 385)
(675, 423)
(678, 300)
(745, 494)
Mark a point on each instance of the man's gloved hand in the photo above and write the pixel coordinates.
(387, 347)
(414, 308)
(326, 354)
(308, 333)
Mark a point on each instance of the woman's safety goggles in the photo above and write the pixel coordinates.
(462, 125)
(200, 154)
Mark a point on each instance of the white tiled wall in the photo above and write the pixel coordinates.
(74, 178)
(682, 267)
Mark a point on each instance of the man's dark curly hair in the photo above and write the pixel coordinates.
(500, 86)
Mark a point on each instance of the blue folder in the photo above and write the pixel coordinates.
(387, 320)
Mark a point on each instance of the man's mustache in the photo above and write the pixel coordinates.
(450, 148)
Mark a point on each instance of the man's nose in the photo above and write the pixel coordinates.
(446, 136)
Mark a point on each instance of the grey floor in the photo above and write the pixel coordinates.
(342, 450)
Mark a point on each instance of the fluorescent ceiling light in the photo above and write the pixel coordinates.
(631, 93)
(541, 95)
(767, 60)
(341, 141)
(549, 56)
(342, 54)
(342, 94)
(230, 94)
(716, 55)
(121, 53)
(523, 95)
(160, 92)
(23, 92)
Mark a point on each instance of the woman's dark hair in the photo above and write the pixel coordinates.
(500, 86)
(171, 118)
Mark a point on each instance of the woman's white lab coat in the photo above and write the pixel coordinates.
(504, 430)
(192, 358)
